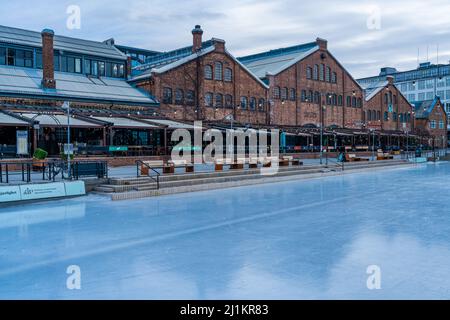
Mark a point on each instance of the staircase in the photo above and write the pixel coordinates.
(128, 188)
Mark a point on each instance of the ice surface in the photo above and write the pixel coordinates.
(297, 240)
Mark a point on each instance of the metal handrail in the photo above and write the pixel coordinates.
(142, 163)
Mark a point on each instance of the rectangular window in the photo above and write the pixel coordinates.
(421, 96)
(441, 94)
(39, 60)
(440, 83)
(2, 55)
(447, 82)
(56, 62)
(447, 107)
(421, 84)
(404, 87)
(441, 124)
(87, 66)
(121, 70)
(115, 70)
(77, 65)
(10, 58)
(94, 68)
(430, 95)
(70, 64)
(64, 64)
(108, 69)
(433, 124)
(429, 83)
(411, 86)
(101, 68)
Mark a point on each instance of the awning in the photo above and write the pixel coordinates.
(7, 120)
(170, 124)
(58, 120)
(122, 122)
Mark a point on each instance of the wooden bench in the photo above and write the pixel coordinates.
(189, 167)
(253, 163)
(384, 156)
(351, 157)
(156, 164)
(292, 160)
(237, 164)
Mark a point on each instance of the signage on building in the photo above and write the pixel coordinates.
(22, 142)
(68, 148)
(117, 148)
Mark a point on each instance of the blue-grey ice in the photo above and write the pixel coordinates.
(297, 240)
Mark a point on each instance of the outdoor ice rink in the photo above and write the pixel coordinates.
(299, 240)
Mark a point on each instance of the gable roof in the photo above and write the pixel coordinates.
(169, 62)
(275, 61)
(34, 39)
(423, 109)
(26, 82)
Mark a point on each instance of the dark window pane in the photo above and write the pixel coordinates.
(10, 57)
(77, 65)
(101, 68)
(87, 66)
(64, 64)
(108, 69)
(2, 55)
(70, 64)
(56, 62)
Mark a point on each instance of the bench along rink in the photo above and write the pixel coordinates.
(296, 240)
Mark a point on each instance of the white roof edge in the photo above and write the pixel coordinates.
(376, 91)
(291, 63)
(247, 69)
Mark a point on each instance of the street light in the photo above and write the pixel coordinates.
(67, 151)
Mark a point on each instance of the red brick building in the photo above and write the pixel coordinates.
(386, 108)
(431, 122)
(204, 82)
(303, 78)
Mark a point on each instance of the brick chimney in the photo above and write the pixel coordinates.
(322, 43)
(219, 44)
(390, 80)
(129, 67)
(48, 69)
(197, 33)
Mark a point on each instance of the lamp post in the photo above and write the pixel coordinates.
(66, 105)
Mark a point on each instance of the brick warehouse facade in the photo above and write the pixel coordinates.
(387, 109)
(312, 79)
(431, 122)
(207, 84)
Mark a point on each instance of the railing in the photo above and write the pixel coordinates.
(336, 163)
(50, 170)
(139, 164)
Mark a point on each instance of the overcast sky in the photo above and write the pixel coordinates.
(363, 35)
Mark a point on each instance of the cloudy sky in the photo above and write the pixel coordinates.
(364, 35)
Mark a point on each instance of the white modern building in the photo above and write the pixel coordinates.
(424, 83)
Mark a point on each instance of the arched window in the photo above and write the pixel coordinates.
(354, 102)
(308, 73)
(284, 93)
(311, 96)
(378, 115)
(228, 75)
(228, 101)
(328, 74)
(244, 103)
(394, 116)
(292, 94)
(400, 117)
(359, 103)
(303, 96)
(209, 99)
(261, 104)
(340, 100)
(219, 100)
(190, 97)
(349, 101)
(252, 103)
(179, 96)
(208, 72)
(386, 98)
(386, 116)
(276, 93)
(167, 95)
(316, 72)
(322, 72)
(218, 69)
(334, 77)
(369, 115)
(316, 97)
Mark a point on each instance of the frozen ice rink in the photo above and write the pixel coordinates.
(298, 240)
